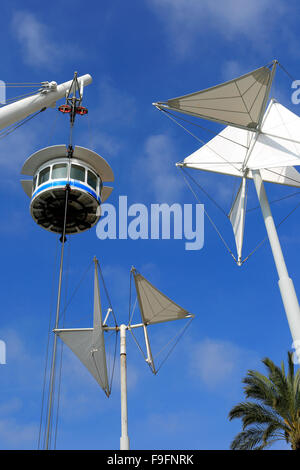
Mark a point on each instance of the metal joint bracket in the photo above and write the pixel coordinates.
(48, 86)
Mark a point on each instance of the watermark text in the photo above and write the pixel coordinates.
(160, 221)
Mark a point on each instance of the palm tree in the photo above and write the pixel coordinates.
(274, 413)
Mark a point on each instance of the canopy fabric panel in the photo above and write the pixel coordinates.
(279, 142)
(237, 218)
(225, 153)
(287, 175)
(239, 102)
(156, 307)
(90, 350)
(228, 150)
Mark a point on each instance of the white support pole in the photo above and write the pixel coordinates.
(241, 234)
(286, 286)
(124, 440)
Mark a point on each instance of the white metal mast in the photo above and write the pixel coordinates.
(286, 286)
(47, 97)
(124, 440)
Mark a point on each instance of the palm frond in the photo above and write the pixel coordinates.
(275, 412)
(284, 402)
(291, 368)
(271, 431)
(248, 440)
(297, 392)
(251, 413)
(259, 387)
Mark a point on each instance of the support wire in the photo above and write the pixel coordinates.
(47, 348)
(6, 131)
(62, 345)
(53, 365)
(210, 219)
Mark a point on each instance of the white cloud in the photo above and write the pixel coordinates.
(21, 373)
(39, 49)
(189, 20)
(115, 105)
(23, 369)
(169, 423)
(17, 436)
(151, 270)
(109, 144)
(11, 406)
(167, 184)
(115, 110)
(104, 143)
(15, 148)
(158, 163)
(217, 362)
(232, 69)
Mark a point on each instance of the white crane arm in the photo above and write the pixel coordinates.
(46, 98)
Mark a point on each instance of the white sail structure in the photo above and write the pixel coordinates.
(238, 152)
(229, 150)
(237, 218)
(155, 307)
(255, 139)
(239, 102)
(266, 147)
(88, 344)
(278, 143)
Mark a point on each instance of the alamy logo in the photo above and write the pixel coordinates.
(2, 92)
(296, 94)
(2, 352)
(162, 221)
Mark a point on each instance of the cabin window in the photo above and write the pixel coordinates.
(92, 180)
(44, 175)
(77, 173)
(59, 171)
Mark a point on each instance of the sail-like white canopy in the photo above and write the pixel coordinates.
(278, 144)
(88, 344)
(155, 306)
(240, 102)
(276, 147)
(225, 153)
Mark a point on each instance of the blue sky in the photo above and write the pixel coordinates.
(139, 52)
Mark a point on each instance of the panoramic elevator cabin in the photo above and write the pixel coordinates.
(53, 169)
